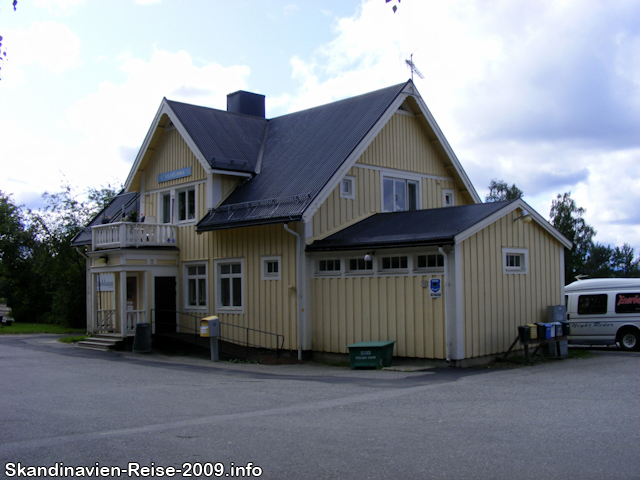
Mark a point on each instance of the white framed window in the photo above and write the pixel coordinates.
(331, 266)
(398, 262)
(195, 286)
(271, 268)
(360, 265)
(430, 262)
(515, 260)
(448, 199)
(347, 188)
(399, 194)
(165, 205)
(186, 204)
(230, 285)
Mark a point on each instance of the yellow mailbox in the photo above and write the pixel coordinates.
(210, 327)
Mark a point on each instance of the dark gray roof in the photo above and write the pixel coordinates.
(123, 202)
(403, 229)
(302, 152)
(228, 141)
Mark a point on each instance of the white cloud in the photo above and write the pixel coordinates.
(63, 7)
(49, 45)
(545, 94)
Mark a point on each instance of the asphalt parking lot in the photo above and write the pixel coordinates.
(61, 406)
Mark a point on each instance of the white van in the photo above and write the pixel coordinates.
(604, 311)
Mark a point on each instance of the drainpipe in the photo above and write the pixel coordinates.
(446, 299)
(299, 285)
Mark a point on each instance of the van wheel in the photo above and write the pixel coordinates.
(630, 340)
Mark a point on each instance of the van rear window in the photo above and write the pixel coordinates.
(628, 303)
(592, 304)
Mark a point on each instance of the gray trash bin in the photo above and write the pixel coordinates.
(142, 338)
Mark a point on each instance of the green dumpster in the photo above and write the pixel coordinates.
(371, 354)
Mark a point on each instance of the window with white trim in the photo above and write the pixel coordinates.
(329, 266)
(399, 194)
(448, 199)
(196, 285)
(230, 285)
(347, 188)
(271, 268)
(399, 262)
(360, 265)
(515, 260)
(431, 261)
(186, 204)
(166, 207)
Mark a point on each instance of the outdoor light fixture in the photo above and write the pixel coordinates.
(103, 260)
(526, 218)
(367, 257)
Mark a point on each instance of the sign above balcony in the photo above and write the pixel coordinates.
(183, 172)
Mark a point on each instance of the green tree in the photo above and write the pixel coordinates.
(3, 50)
(568, 219)
(598, 262)
(499, 191)
(623, 262)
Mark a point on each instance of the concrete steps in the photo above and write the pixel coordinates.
(102, 342)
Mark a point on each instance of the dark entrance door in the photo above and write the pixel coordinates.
(165, 308)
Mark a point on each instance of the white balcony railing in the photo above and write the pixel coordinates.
(129, 234)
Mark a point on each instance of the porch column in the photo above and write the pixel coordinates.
(92, 313)
(123, 303)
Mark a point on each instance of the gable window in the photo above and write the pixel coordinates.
(186, 204)
(431, 261)
(271, 268)
(447, 198)
(515, 260)
(329, 266)
(399, 195)
(347, 188)
(196, 281)
(360, 265)
(166, 208)
(394, 263)
(230, 285)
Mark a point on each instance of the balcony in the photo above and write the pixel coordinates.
(129, 234)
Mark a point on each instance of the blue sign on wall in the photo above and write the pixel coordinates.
(183, 172)
(435, 287)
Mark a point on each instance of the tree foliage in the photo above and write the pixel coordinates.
(43, 276)
(499, 191)
(568, 219)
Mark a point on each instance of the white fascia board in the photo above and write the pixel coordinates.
(355, 155)
(519, 203)
(165, 108)
(447, 148)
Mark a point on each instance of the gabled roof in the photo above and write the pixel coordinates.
(302, 153)
(227, 141)
(121, 205)
(292, 162)
(436, 226)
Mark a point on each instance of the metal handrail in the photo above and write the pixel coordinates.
(195, 330)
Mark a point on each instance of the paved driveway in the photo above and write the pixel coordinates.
(62, 407)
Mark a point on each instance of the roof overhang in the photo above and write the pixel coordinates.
(164, 117)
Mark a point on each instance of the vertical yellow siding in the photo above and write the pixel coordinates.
(269, 305)
(347, 310)
(172, 153)
(495, 304)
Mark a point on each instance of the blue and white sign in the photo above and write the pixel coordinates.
(183, 172)
(435, 288)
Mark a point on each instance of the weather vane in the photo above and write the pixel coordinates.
(413, 68)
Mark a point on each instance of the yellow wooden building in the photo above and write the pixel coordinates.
(352, 221)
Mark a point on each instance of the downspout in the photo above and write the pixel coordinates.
(299, 285)
(446, 299)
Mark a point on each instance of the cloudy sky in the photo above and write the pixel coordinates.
(543, 94)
